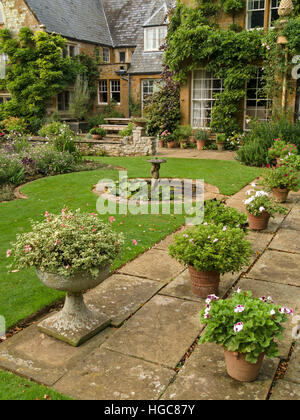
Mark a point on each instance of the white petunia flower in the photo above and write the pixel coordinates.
(238, 327)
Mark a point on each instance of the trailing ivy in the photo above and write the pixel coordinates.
(37, 71)
(232, 56)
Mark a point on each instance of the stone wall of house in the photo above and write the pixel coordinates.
(16, 15)
(137, 145)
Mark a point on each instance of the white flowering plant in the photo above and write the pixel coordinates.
(261, 201)
(66, 244)
(210, 247)
(244, 324)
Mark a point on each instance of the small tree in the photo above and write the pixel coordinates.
(81, 99)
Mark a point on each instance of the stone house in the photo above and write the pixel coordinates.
(197, 95)
(127, 34)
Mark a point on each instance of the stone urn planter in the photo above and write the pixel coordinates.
(241, 370)
(258, 222)
(75, 323)
(201, 144)
(280, 194)
(204, 283)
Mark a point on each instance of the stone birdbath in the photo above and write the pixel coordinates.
(156, 167)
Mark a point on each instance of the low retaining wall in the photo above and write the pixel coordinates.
(137, 145)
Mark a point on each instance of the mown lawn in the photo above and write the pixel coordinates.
(22, 294)
(14, 388)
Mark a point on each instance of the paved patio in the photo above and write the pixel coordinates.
(155, 321)
(196, 154)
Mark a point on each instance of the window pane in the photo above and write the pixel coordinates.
(60, 102)
(115, 91)
(205, 86)
(122, 57)
(103, 92)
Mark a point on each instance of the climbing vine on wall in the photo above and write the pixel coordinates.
(37, 71)
(194, 42)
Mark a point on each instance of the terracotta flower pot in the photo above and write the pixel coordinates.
(204, 283)
(97, 137)
(200, 144)
(161, 143)
(258, 222)
(241, 370)
(280, 194)
(171, 144)
(192, 139)
(220, 147)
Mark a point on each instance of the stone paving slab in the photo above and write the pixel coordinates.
(282, 295)
(120, 296)
(155, 265)
(41, 358)
(293, 371)
(286, 240)
(277, 267)
(204, 377)
(160, 332)
(292, 221)
(180, 287)
(259, 242)
(108, 375)
(287, 391)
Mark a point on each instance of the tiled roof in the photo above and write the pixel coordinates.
(83, 20)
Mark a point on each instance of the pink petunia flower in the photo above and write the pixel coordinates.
(112, 219)
(135, 242)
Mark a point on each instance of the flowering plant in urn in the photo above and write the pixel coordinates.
(71, 252)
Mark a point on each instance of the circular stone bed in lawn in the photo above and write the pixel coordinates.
(146, 190)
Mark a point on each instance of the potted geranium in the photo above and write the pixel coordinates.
(220, 140)
(247, 328)
(201, 137)
(170, 139)
(260, 207)
(210, 250)
(280, 150)
(98, 133)
(281, 180)
(71, 252)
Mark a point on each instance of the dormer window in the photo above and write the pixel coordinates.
(106, 55)
(154, 37)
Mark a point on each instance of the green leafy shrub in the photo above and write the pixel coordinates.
(61, 137)
(96, 120)
(200, 134)
(210, 247)
(215, 211)
(66, 244)
(292, 160)
(7, 193)
(283, 176)
(14, 125)
(260, 201)
(128, 131)
(98, 131)
(162, 109)
(244, 324)
(260, 138)
(49, 161)
(183, 132)
(220, 138)
(11, 170)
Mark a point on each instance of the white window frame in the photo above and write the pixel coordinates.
(3, 63)
(68, 47)
(248, 11)
(157, 40)
(112, 89)
(209, 77)
(103, 55)
(102, 91)
(5, 97)
(270, 12)
(256, 108)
